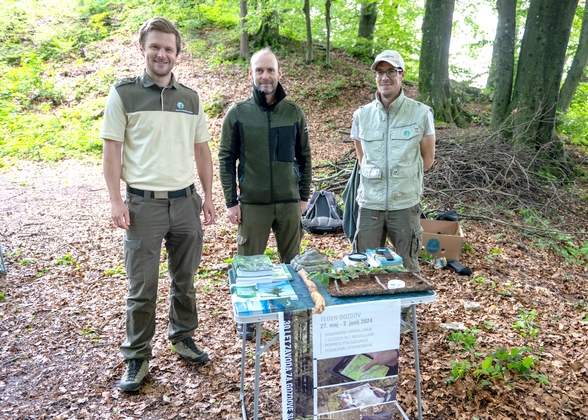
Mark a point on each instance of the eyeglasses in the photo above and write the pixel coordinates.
(391, 73)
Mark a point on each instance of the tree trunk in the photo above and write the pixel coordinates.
(328, 25)
(503, 60)
(578, 65)
(269, 29)
(367, 24)
(539, 73)
(434, 88)
(308, 53)
(244, 39)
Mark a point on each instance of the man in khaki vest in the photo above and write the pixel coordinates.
(394, 140)
(154, 131)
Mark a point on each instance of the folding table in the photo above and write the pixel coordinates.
(304, 302)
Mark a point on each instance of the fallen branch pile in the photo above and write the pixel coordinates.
(481, 172)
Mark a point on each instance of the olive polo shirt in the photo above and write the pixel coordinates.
(158, 128)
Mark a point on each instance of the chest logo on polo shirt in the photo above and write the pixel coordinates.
(181, 107)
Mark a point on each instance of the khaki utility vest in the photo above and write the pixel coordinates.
(392, 166)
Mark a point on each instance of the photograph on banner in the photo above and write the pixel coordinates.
(336, 398)
(357, 367)
(386, 411)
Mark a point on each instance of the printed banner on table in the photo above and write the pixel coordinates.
(355, 361)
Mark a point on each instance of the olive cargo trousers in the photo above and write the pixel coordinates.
(177, 220)
(258, 219)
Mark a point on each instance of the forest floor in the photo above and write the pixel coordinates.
(62, 314)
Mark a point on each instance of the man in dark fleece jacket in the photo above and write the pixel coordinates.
(265, 163)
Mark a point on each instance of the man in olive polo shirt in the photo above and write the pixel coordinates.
(154, 129)
(395, 143)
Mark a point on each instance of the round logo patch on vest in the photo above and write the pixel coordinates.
(406, 133)
(180, 105)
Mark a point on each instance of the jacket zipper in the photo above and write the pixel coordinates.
(269, 143)
(386, 174)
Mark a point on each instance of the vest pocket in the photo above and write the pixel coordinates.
(370, 171)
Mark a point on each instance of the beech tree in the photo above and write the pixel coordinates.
(308, 52)
(502, 67)
(434, 87)
(579, 63)
(368, 15)
(539, 72)
(328, 26)
(244, 37)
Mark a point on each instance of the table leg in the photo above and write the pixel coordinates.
(257, 370)
(417, 367)
(242, 382)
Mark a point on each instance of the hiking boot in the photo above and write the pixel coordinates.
(187, 349)
(134, 374)
(247, 329)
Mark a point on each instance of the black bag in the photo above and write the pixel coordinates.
(322, 214)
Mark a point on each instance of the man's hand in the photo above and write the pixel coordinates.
(209, 212)
(235, 214)
(120, 214)
(303, 205)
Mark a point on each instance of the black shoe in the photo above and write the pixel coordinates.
(188, 350)
(249, 331)
(134, 374)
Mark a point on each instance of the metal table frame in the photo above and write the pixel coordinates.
(410, 301)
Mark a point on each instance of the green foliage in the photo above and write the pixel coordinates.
(51, 136)
(495, 251)
(468, 248)
(459, 370)
(66, 259)
(574, 123)
(214, 108)
(467, 339)
(515, 360)
(25, 262)
(2, 296)
(272, 253)
(503, 364)
(116, 271)
(525, 324)
(353, 272)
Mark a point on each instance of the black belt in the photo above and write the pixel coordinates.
(162, 195)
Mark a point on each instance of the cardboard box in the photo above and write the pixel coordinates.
(442, 238)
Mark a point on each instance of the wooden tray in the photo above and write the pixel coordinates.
(375, 284)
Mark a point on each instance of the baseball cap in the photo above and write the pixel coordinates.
(391, 57)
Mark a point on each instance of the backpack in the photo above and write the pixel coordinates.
(322, 214)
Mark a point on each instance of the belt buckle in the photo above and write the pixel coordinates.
(160, 195)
